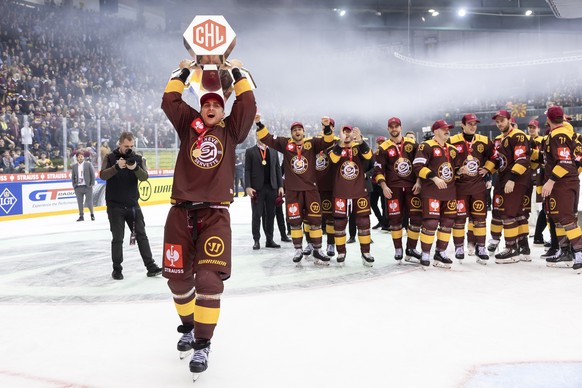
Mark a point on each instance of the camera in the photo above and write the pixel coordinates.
(129, 157)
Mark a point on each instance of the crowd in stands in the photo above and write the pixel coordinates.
(65, 69)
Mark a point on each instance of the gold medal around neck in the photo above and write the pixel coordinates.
(300, 163)
(264, 162)
(196, 153)
(470, 157)
(400, 160)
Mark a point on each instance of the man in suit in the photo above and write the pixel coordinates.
(83, 178)
(264, 183)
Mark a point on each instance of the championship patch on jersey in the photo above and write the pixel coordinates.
(518, 152)
(564, 153)
(293, 210)
(434, 207)
(209, 154)
(445, 172)
(461, 207)
(403, 167)
(173, 261)
(393, 207)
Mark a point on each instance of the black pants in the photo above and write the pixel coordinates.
(264, 202)
(118, 217)
(281, 223)
(376, 195)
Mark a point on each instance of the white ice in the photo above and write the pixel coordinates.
(65, 323)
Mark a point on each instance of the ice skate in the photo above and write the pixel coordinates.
(482, 256)
(320, 257)
(298, 256)
(308, 250)
(492, 246)
(341, 259)
(459, 254)
(412, 256)
(186, 341)
(471, 249)
(441, 260)
(424, 261)
(199, 361)
(507, 256)
(562, 259)
(524, 254)
(330, 250)
(398, 255)
(367, 259)
(577, 262)
(551, 253)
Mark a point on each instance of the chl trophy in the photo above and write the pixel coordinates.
(210, 40)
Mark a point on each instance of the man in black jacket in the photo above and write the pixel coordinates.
(263, 184)
(122, 169)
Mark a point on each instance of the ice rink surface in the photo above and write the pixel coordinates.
(66, 323)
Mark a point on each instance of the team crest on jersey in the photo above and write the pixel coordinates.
(453, 153)
(506, 143)
(408, 148)
(564, 153)
(211, 152)
(502, 161)
(173, 261)
(391, 152)
(355, 151)
(291, 147)
(518, 152)
(472, 166)
(307, 145)
(445, 172)
(497, 201)
(349, 170)
(403, 167)
(344, 153)
(298, 165)
(460, 148)
(437, 151)
(322, 162)
(434, 207)
(393, 206)
(480, 148)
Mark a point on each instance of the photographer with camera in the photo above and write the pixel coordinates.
(122, 169)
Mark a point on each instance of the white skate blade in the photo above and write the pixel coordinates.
(471, 252)
(411, 259)
(511, 260)
(560, 264)
(460, 261)
(438, 264)
(482, 262)
(195, 377)
(525, 258)
(366, 264)
(579, 271)
(184, 354)
(321, 262)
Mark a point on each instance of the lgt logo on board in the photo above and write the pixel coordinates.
(7, 201)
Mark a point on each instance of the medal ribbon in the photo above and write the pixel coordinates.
(350, 154)
(399, 148)
(200, 138)
(446, 151)
(263, 154)
(298, 147)
(469, 146)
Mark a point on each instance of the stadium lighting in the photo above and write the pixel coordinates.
(423, 19)
(342, 12)
(462, 12)
(435, 13)
(529, 12)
